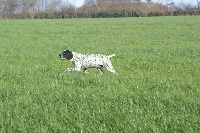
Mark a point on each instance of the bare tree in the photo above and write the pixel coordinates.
(87, 2)
(27, 7)
(42, 5)
(148, 1)
(136, 0)
(9, 7)
(54, 5)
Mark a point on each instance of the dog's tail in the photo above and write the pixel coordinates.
(111, 55)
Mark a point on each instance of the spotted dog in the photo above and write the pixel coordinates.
(86, 61)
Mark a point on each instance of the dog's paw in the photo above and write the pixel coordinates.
(115, 73)
(86, 72)
(69, 69)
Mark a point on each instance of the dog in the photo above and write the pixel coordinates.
(86, 61)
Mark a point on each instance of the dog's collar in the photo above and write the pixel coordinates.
(72, 59)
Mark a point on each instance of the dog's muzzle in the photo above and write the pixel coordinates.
(61, 57)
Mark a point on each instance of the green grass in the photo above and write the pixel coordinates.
(157, 89)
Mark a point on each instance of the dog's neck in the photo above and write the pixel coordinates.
(72, 59)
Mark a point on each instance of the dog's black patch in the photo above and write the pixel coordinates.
(66, 54)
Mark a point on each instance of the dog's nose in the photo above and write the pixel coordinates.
(59, 54)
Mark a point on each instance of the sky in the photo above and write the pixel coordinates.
(79, 3)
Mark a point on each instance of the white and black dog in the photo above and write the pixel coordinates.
(86, 61)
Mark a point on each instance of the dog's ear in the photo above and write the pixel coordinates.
(70, 55)
(66, 51)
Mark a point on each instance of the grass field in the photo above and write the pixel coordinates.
(157, 89)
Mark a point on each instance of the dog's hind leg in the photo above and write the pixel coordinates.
(85, 70)
(110, 68)
(100, 70)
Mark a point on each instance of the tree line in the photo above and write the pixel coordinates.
(40, 9)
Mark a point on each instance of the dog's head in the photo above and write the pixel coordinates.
(66, 54)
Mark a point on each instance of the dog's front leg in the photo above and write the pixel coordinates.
(70, 69)
(73, 69)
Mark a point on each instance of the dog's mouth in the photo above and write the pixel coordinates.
(61, 57)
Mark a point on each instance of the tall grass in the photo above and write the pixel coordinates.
(157, 89)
